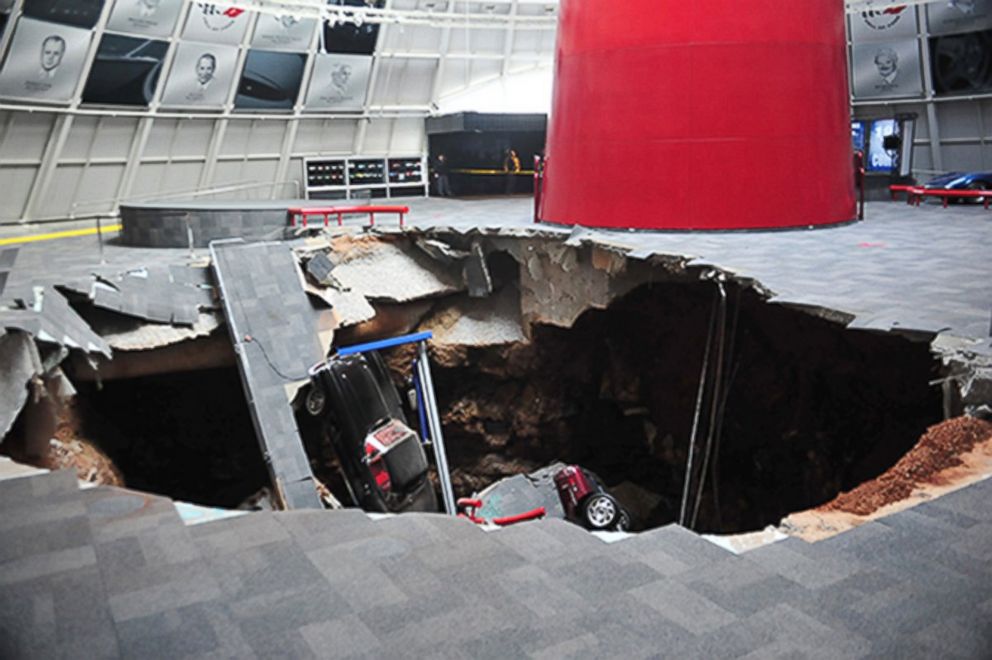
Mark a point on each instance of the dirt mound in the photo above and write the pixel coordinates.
(940, 448)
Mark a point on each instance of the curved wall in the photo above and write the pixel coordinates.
(723, 114)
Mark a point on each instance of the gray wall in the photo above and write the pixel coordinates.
(78, 160)
(952, 132)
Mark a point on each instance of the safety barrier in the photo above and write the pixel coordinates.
(341, 211)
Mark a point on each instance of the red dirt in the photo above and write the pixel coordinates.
(940, 448)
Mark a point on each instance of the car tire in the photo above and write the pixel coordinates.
(975, 185)
(600, 511)
(316, 401)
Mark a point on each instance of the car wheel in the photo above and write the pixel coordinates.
(600, 511)
(316, 400)
(976, 185)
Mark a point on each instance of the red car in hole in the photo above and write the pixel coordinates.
(586, 501)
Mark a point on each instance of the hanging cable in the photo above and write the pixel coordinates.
(683, 509)
(731, 376)
(721, 302)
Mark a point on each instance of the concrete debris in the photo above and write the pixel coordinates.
(20, 363)
(440, 250)
(480, 283)
(391, 271)
(523, 492)
(173, 294)
(88, 462)
(125, 333)
(319, 267)
(558, 283)
(350, 307)
(49, 318)
(473, 322)
(390, 320)
(7, 258)
(271, 328)
(210, 352)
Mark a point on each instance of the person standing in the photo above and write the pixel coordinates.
(511, 165)
(442, 185)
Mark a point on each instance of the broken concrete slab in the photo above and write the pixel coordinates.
(7, 258)
(127, 333)
(393, 271)
(521, 493)
(20, 363)
(50, 318)
(466, 321)
(477, 278)
(162, 294)
(271, 328)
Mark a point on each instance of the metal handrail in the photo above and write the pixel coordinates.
(194, 192)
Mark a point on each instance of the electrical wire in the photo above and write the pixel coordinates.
(248, 339)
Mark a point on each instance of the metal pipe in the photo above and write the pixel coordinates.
(434, 422)
(714, 398)
(683, 509)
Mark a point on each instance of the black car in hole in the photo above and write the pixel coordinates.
(383, 459)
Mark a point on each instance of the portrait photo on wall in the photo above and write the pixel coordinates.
(884, 23)
(283, 32)
(201, 76)
(887, 69)
(961, 63)
(350, 34)
(270, 81)
(153, 18)
(957, 16)
(44, 62)
(339, 82)
(125, 71)
(79, 13)
(215, 23)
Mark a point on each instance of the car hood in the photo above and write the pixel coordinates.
(947, 180)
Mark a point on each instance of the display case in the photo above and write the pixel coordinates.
(365, 177)
(366, 172)
(404, 171)
(321, 173)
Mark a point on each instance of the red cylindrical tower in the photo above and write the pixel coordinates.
(700, 114)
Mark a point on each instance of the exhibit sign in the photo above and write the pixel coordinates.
(201, 76)
(44, 62)
(881, 159)
(349, 33)
(270, 81)
(883, 24)
(958, 16)
(283, 33)
(339, 82)
(214, 23)
(153, 18)
(886, 69)
(80, 13)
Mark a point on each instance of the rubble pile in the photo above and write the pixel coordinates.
(940, 448)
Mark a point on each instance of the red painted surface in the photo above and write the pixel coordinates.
(700, 114)
(341, 211)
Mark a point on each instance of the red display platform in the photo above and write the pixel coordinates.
(708, 114)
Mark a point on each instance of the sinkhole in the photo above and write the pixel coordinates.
(768, 409)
